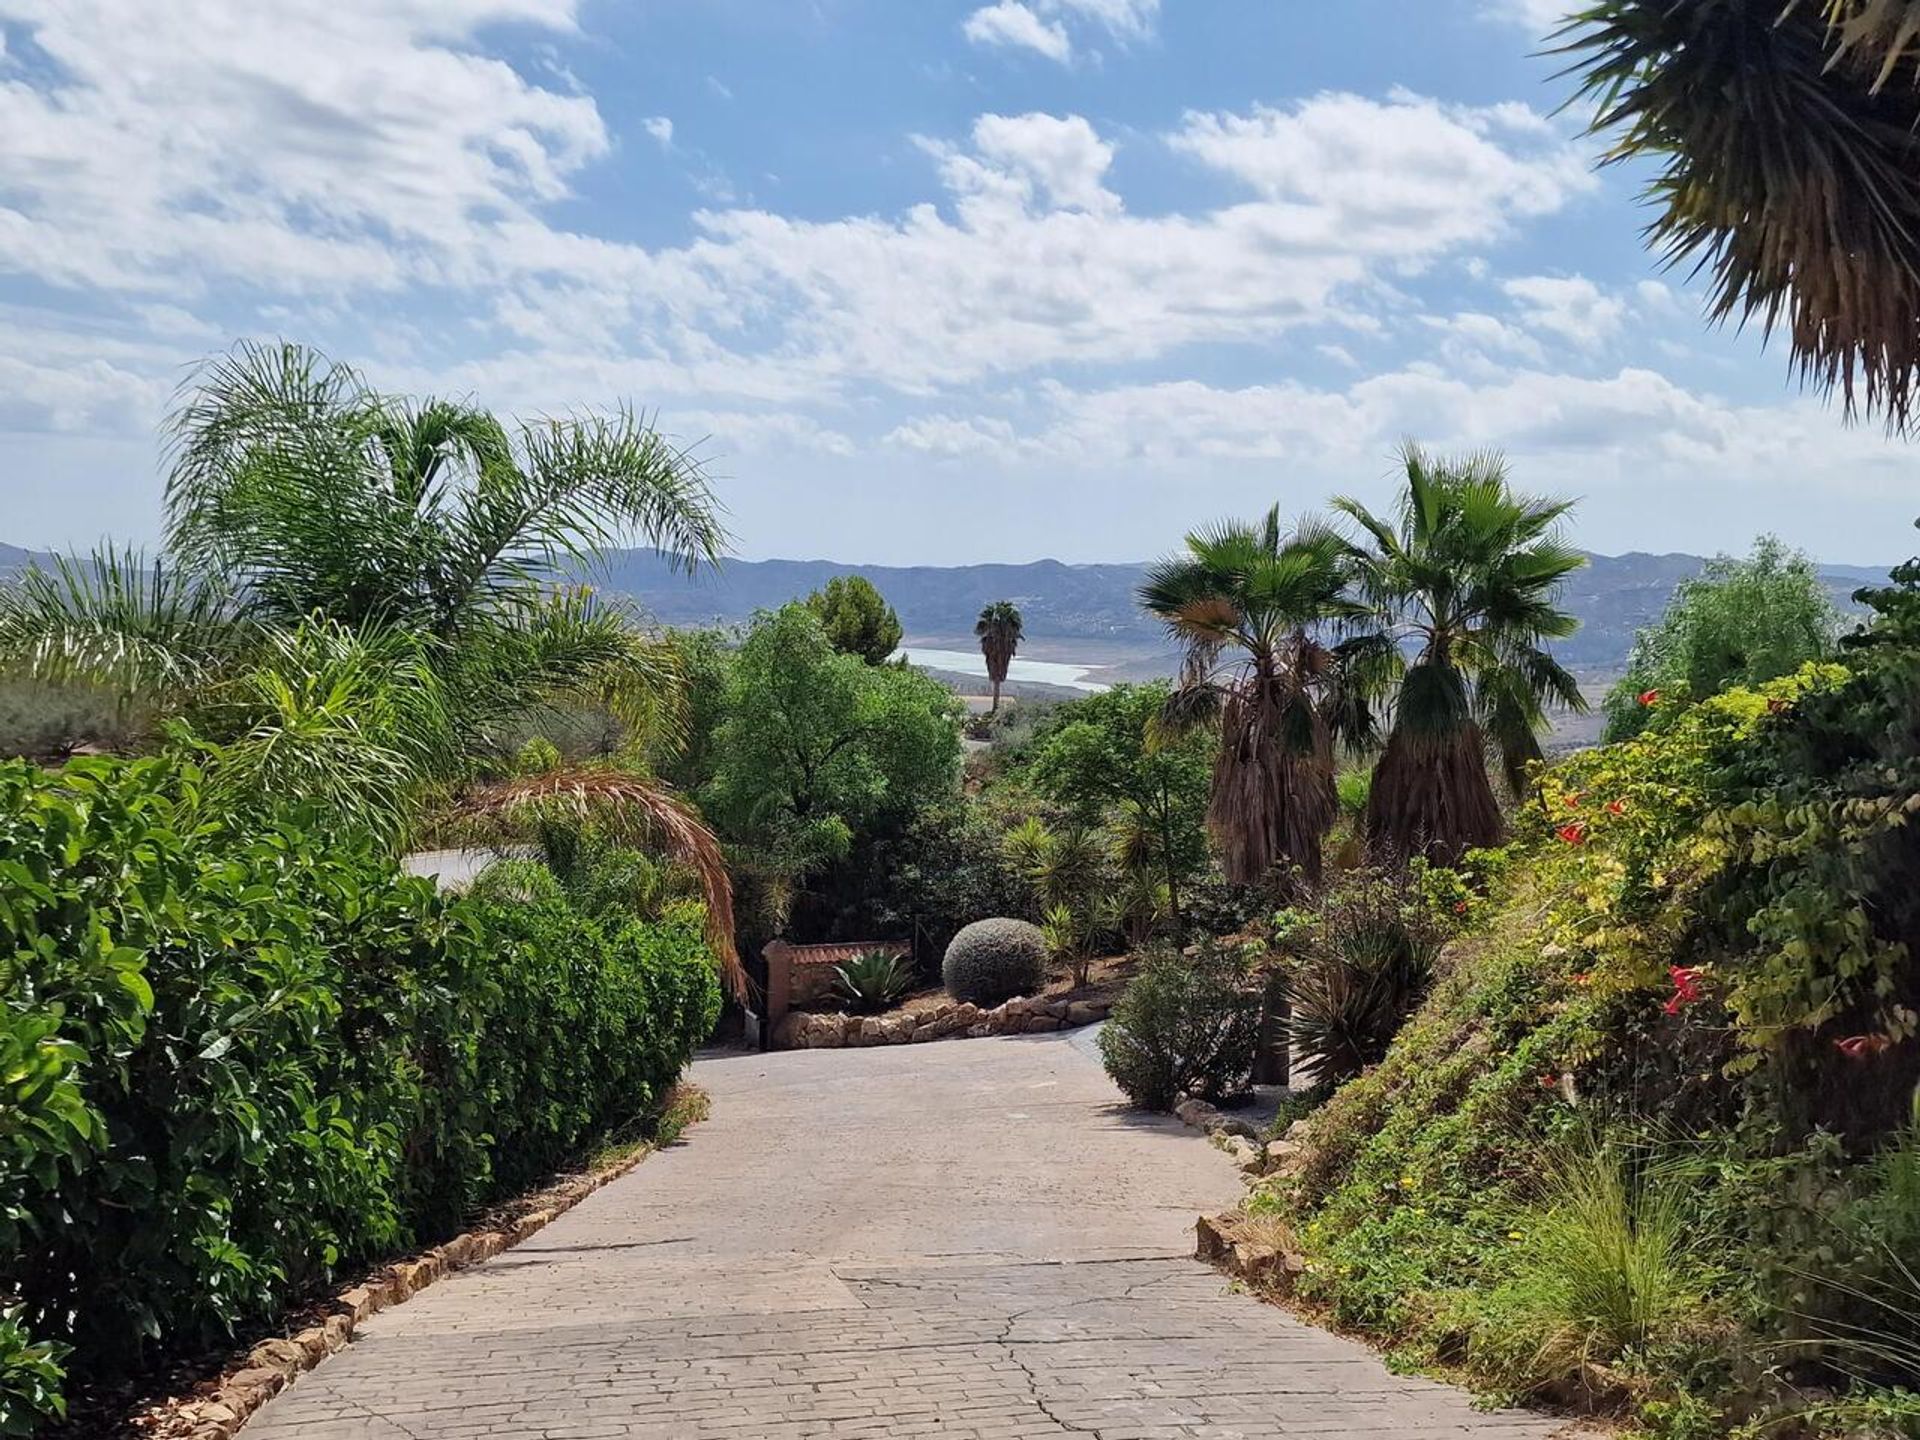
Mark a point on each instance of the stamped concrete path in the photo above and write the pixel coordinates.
(967, 1240)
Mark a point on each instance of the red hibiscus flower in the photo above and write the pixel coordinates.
(1615, 807)
(1574, 834)
(1649, 697)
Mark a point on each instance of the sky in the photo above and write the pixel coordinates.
(921, 281)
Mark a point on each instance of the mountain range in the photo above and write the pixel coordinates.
(1087, 613)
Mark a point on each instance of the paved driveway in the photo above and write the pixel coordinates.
(970, 1239)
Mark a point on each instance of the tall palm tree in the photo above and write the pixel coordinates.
(999, 629)
(1251, 606)
(1788, 135)
(1465, 577)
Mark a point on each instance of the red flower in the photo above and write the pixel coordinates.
(1686, 988)
(1649, 697)
(1583, 978)
(1858, 1047)
(1776, 706)
(1574, 834)
(1572, 801)
(1616, 807)
(1459, 907)
(1547, 1082)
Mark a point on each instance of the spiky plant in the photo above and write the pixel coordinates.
(1466, 576)
(1788, 138)
(873, 980)
(999, 629)
(1249, 606)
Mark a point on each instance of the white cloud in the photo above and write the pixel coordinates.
(1412, 174)
(1539, 17)
(174, 144)
(1571, 307)
(1061, 156)
(660, 127)
(1010, 24)
(1040, 25)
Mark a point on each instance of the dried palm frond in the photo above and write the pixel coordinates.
(633, 807)
(1791, 168)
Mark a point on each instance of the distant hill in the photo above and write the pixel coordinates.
(1087, 612)
(1093, 605)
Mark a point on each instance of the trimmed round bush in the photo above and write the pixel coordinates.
(994, 960)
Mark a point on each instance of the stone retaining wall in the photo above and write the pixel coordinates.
(804, 1030)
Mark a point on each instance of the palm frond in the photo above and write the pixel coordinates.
(635, 809)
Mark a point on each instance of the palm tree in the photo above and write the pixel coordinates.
(1250, 605)
(1788, 132)
(1465, 577)
(999, 630)
(398, 541)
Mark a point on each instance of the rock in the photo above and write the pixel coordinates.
(360, 1302)
(281, 1355)
(1213, 1238)
(1300, 1131)
(257, 1381)
(338, 1332)
(1245, 1154)
(980, 1030)
(1197, 1113)
(791, 1032)
(1038, 1023)
(827, 1032)
(929, 1031)
(313, 1345)
(456, 1252)
(1056, 1008)
(1234, 1125)
(1087, 1012)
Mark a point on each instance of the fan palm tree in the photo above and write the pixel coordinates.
(1788, 135)
(999, 628)
(1465, 577)
(1250, 606)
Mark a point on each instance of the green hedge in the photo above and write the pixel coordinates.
(235, 1059)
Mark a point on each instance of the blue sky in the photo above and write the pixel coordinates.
(928, 282)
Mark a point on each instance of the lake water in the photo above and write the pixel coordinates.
(972, 662)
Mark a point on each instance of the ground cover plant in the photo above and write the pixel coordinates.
(1645, 1143)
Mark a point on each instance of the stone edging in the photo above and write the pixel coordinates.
(1027, 1015)
(272, 1365)
(1221, 1242)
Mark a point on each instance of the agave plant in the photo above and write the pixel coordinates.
(873, 980)
(1362, 963)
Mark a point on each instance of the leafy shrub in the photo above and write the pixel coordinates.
(1185, 1025)
(873, 981)
(1362, 961)
(241, 1055)
(994, 960)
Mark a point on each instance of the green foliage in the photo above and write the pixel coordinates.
(991, 961)
(1603, 1268)
(818, 746)
(241, 1053)
(1104, 763)
(873, 981)
(1185, 1025)
(1361, 960)
(1737, 623)
(946, 868)
(856, 619)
